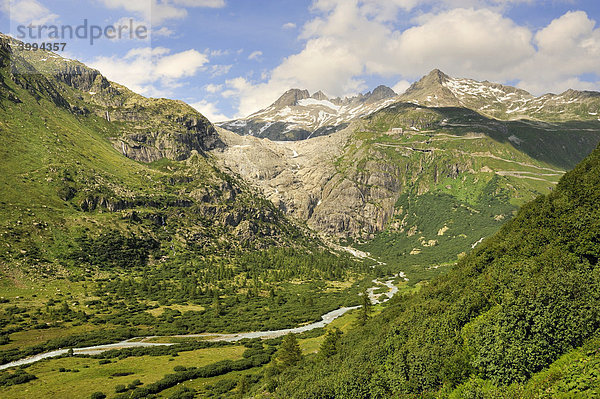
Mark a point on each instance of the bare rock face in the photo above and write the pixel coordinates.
(319, 96)
(339, 186)
(81, 77)
(191, 134)
(302, 180)
(291, 97)
(380, 93)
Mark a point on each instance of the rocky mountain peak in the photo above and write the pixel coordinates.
(319, 96)
(571, 93)
(291, 98)
(380, 93)
(437, 76)
(432, 81)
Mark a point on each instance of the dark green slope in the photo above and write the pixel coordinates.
(512, 307)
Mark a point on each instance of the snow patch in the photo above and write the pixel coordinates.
(515, 139)
(238, 123)
(307, 102)
(265, 127)
(477, 243)
(285, 112)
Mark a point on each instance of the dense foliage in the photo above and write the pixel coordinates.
(507, 311)
(15, 378)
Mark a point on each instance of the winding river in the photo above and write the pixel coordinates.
(142, 341)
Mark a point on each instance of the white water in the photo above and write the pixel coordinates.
(90, 350)
(325, 320)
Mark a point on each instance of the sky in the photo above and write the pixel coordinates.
(230, 58)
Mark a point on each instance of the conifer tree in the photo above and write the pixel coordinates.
(365, 309)
(289, 353)
(330, 345)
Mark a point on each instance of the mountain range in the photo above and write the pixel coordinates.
(388, 159)
(297, 115)
(385, 177)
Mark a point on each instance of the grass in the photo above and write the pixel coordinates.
(93, 377)
(181, 308)
(23, 339)
(343, 323)
(206, 385)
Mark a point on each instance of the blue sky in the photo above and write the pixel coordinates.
(229, 58)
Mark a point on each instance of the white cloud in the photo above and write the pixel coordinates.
(218, 53)
(179, 65)
(210, 111)
(213, 88)
(220, 70)
(157, 11)
(151, 72)
(163, 31)
(465, 42)
(255, 55)
(349, 40)
(401, 86)
(567, 48)
(289, 25)
(28, 12)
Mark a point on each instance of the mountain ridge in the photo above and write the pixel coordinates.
(495, 100)
(294, 116)
(101, 152)
(298, 115)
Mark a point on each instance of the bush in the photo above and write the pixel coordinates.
(184, 393)
(16, 378)
(134, 384)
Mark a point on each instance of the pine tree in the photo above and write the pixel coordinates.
(365, 309)
(289, 353)
(242, 386)
(330, 345)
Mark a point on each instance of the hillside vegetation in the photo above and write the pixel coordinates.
(491, 325)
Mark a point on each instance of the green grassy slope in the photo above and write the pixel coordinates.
(505, 313)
